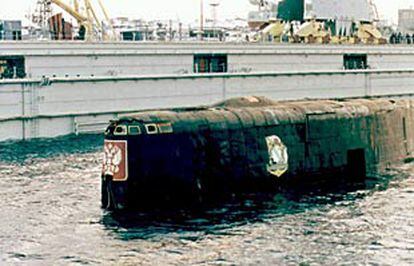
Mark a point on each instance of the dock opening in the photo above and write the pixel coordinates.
(355, 61)
(12, 67)
(210, 63)
(356, 168)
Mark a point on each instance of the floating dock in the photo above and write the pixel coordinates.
(78, 59)
(76, 88)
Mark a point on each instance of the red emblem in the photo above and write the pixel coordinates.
(115, 160)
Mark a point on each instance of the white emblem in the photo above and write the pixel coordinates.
(278, 156)
(112, 159)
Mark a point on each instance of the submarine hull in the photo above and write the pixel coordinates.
(250, 144)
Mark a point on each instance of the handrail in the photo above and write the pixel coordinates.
(51, 80)
(70, 48)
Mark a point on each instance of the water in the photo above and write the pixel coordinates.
(50, 214)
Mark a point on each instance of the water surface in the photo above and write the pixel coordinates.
(50, 214)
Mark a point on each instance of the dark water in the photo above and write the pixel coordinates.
(50, 215)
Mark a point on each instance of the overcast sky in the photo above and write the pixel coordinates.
(185, 10)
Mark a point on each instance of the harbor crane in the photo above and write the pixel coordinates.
(85, 15)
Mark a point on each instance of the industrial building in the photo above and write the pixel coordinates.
(10, 30)
(406, 20)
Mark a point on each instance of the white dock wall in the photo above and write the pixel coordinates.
(284, 62)
(107, 65)
(48, 108)
(11, 99)
(73, 59)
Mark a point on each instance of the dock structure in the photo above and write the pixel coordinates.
(74, 59)
(71, 87)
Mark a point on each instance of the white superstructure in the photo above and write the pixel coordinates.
(266, 10)
(349, 10)
(406, 20)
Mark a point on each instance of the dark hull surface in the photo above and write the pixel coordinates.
(249, 145)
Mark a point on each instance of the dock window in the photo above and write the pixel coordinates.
(210, 63)
(12, 67)
(355, 61)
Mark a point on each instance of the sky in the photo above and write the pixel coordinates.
(184, 10)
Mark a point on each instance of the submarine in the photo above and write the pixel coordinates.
(248, 145)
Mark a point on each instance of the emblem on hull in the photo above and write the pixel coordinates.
(115, 160)
(278, 156)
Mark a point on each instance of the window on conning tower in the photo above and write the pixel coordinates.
(210, 63)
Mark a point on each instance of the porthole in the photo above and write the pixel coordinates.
(120, 130)
(134, 130)
(165, 128)
(151, 129)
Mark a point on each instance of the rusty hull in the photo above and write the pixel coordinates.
(252, 144)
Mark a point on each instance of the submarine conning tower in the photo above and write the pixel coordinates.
(249, 144)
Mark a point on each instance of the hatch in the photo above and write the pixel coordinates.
(356, 164)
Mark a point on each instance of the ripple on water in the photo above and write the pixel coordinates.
(49, 199)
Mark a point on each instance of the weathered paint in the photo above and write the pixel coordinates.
(241, 145)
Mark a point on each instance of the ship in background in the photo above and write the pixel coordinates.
(319, 21)
(266, 11)
(300, 10)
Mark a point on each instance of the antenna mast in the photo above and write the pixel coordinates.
(201, 20)
(41, 15)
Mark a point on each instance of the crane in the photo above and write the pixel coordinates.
(71, 11)
(88, 19)
(106, 17)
